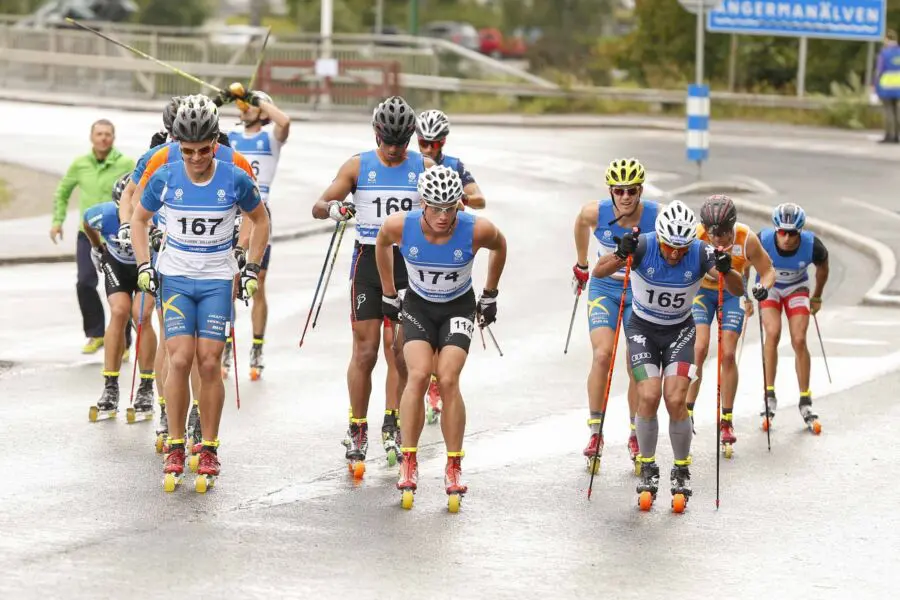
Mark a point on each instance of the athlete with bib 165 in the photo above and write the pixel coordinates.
(667, 267)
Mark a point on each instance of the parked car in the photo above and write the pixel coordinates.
(55, 12)
(457, 32)
(493, 43)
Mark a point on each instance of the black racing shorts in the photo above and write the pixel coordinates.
(440, 324)
(119, 277)
(661, 350)
(365, 293)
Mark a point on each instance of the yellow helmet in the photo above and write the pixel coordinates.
(625, 171)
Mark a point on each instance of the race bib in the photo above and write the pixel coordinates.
(462, 326)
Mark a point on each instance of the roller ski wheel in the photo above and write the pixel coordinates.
(649, 485)
(356, 468)
(255, 374)
(358, 434)
(97, 414)
(173, 469)
(593, 465)
(407, 497)
(645, 501)
(107, 406)
(409, 477)
(132, 415)
(194, 460)
(453, 502)
(728, 451)
(811, 419)
(256, 360)
(455, 490)
(679, 503)
(208, 471)
(593, 452)
(171, 481)
(680, 479)
(767, 424)
(202, 483)
(161, 439)
(390, 438)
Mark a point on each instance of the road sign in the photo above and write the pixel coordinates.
(691, 5)
(834, 19)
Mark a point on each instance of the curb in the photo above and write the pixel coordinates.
(61, 258)
(880, 252)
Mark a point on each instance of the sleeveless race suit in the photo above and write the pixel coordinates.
(791, 289)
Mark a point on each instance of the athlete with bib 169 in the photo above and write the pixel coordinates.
(667, 267)
(438, 244)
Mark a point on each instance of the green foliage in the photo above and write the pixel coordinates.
(178, 13)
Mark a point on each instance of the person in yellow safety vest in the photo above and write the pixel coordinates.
(887, 86)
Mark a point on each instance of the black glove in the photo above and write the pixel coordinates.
(156, 238)
(223, 97)
(252, 98)
(160, 137)
(626, 245)
(241, 256)
(723, 261)
(760, 292)
(390, 307)
(487, 307)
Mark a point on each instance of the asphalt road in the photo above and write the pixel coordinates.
(83, 514)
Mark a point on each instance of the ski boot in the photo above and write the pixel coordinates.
(409, 477)
(680, 479)
(357, 448)
(256, 360)
(390, 437)
(227, 357)
(649, 484)
(452, 472)
(809, 417)
(174, 465)
(771, 405)
(728, 437)
(194, 436)
(433, 403)
(162, 432)
(143, 401)
(108, 405)
(634, 451)
(594, 450)
(208, 468)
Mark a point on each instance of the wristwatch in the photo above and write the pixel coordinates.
(490, 293)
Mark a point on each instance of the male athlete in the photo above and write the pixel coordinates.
(438, 244)
(667, 267)
(382, 181)
(608, 220)
(201, 195)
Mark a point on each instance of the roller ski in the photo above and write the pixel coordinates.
(727, 436)
(634, 452)
(680, 480)
(390, 438)
(809, 417)
(108, 405)
(593, 452)
(162, 431)
(771, 405)
(256, 360)
(452, 473)
(227, 357)
(143, 402)
(409, 478)
(649, 485)
(433, 403)
(173, 468)
(358, 445)
(207, 470)
(194, 437)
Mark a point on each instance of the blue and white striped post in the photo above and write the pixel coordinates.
(698, 123)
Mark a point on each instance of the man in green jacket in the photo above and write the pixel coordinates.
(94, 174)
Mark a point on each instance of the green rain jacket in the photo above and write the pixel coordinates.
(94, 180)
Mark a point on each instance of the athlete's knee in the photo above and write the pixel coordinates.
(418, 379)
(365, 355)
(119, 312)
(180, 361)
(602, 356)
(649, 396)
(700, 354)
(728, 357)
(448, 382)
(209, 365)
(798, 342)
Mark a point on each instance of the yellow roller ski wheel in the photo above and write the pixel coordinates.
(406, 499)
(170, 482)
(453, 501)
(200, 484)
(194, 462)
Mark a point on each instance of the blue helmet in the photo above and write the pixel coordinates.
(789, 217)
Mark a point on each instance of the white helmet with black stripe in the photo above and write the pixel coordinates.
(676, 226)
(432, 126)
(440, 187)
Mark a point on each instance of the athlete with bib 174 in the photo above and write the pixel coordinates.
(667, 267)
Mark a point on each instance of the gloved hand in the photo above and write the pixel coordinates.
(341, 211)
(581, 278)
(124, 234)
(156, 238)
(723, 261)
(160, 137)
(626, 245)
(241, 256)
(759, 292)
(390, 307)
(148, 279)
(98, 257)
(487, 307)
(229, 94)
(815, 305)
(249, 281)
(252, 98)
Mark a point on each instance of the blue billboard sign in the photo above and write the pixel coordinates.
(836, 19)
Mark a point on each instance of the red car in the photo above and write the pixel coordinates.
(494, 44)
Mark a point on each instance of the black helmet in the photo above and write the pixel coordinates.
(718, 214)
(197, 120)
(119, 187)
(169, 112)
(394, 121)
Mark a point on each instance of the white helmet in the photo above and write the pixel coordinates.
(432, 125)
(440, 187)
(676, 226)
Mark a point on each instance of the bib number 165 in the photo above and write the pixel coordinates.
(666, 299)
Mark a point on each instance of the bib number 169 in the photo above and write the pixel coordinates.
(388, 206)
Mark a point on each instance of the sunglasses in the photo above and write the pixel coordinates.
(436, 144)
(629, 191)
(395, 142)
(204, 151)
(669, 251)
(442, 210)
(788, 232)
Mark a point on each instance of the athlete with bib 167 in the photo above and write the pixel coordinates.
(438, 244)
(667, 267)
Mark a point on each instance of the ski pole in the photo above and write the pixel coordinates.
(318, 285)
(719, 381)
(175, 70)
(493, 339)
(821, 343)
(337, 248)
(262, 53)
(137, 350)
(572, 321)
(762, 351)
(612, 364)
